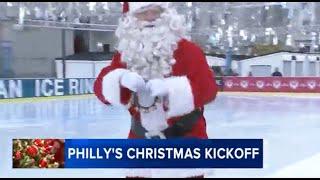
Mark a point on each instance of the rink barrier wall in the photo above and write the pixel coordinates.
(272, 84)
(29, 88)
(46, 99)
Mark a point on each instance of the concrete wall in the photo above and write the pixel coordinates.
(34, 49)
(104, 38)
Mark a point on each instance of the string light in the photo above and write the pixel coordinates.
(222, 29)
(22, 11)
(92, 5)
(275, 40)
(189, 4)
(105, 6)
(253, 38)
(289, 40)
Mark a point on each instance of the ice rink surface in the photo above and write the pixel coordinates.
(289, 126)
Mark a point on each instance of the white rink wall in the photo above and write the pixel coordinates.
(80, 69)
(216, 61)
(305, 65)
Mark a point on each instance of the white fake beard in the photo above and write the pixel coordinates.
(149, 50)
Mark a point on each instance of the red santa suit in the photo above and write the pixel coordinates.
(191, 85)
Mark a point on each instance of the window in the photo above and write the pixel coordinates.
(312, 69)
(106, 48)
(261, 70)
(81, 41)
(299, 68)
(287, 68)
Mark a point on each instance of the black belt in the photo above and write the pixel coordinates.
(178, 129)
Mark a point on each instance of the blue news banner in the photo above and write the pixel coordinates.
(159, 153)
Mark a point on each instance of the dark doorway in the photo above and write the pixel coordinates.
(81, 41)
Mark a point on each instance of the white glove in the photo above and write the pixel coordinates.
(157, 87)
(132, 81)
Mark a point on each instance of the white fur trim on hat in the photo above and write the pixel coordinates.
(134, 6)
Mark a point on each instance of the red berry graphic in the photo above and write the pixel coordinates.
(38, 142)
(43, 163)
(48, 142)
(18, 155)
(32, 150)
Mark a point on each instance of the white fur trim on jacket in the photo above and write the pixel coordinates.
(180, 96)
(111, 86)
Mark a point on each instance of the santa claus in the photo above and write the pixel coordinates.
(162, 78)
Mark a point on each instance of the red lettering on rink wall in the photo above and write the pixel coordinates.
(272, 84)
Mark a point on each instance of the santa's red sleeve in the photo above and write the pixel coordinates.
(194, 89)
(107, 86)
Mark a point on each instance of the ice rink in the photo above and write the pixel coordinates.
(288, 124)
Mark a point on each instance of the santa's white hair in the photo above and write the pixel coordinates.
(149, 51)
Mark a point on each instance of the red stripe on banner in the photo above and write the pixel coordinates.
(272, 84)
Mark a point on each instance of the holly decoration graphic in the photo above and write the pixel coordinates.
(37, 153)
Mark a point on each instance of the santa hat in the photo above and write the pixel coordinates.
(131, 7)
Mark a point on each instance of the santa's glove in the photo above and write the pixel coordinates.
(132, 81)
(157, 87)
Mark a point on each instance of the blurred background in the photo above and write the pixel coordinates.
(76, 39)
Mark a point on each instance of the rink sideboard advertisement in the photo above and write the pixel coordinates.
(272, 84)
(23, 88)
